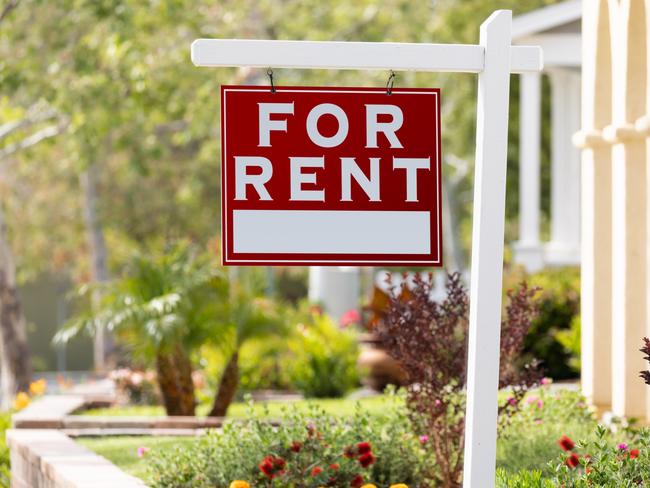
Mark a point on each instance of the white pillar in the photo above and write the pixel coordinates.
(564, 247)
(628, 207)
(335, 288)
(528, 250)
(596, 212)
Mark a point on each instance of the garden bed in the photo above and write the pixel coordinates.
(528, 452)
(529, 443)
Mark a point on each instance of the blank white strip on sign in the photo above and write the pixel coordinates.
(330, 232)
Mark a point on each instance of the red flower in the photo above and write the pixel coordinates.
(272, 466)
(364, 447)
(566, 443)
(266, 467)
(366, 459)
(357, 481)
(316, 471)
(634, 453)
(334, 467)
(348, 453)
(296, 446)
(573, 461)
(350, 317)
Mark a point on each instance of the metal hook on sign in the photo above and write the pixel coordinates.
(389, 83)
(270, 73)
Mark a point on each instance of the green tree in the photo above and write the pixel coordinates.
(141, 120)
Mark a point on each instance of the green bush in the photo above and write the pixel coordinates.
(293, 450)
(5, 468)
(552, 337)
(262, 365)
(322, 362)
(310, 354)
(571, 341)
(291, 284)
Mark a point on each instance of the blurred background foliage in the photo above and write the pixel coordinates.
(116, 80)
(554, 337)
(109, 85)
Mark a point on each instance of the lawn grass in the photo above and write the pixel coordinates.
(123, 451)
(334, 406)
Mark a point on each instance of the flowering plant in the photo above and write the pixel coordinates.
(313, 459)
(604, 461)
(135, 386)
(306, 450)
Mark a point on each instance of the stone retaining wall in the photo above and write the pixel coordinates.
(44, 455)
(50, 459)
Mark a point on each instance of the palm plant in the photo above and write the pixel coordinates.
(249, 317)
(161, 309)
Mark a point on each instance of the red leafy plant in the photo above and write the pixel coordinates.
(429, 339)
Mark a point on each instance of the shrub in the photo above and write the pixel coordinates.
(571, 341)
(551, 338)
(291, 284)
(429, 339)
(5, 468)
(323, 358)
(306, 450)
(262, 365)
(605, 461)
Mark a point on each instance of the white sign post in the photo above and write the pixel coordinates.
(494, 59)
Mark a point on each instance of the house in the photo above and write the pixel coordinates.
(557, 29)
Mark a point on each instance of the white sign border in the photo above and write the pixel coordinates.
(337, 261)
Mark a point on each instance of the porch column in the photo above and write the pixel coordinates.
(336, 288)
(528, 250)
(564, 247)
(596, 212)
(628, 207)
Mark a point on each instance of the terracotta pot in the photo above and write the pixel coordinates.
(378, 368)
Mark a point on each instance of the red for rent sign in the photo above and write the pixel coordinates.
(331, 176)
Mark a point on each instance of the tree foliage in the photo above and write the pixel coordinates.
(116, 79)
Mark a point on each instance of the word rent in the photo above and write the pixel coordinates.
(349, 168)
(330, 176)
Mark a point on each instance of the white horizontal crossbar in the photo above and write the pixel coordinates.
(459, 58)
